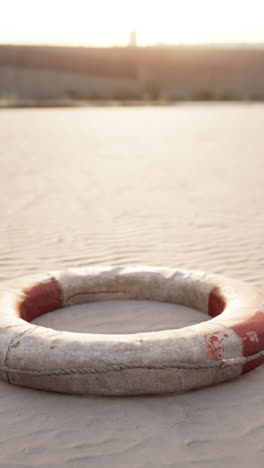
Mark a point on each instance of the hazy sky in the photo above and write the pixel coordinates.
(108, 22)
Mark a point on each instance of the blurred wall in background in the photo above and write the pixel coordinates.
(172, 73)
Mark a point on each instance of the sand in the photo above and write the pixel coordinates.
(180, 186)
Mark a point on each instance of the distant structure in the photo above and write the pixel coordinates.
(132, 39)
(131, 73)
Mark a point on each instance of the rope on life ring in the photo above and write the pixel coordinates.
(228, 345)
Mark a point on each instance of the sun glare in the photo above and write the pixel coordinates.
(108, 22)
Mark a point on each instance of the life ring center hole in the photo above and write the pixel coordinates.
(123, 316)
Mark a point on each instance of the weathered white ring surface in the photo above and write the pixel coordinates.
(229, 344)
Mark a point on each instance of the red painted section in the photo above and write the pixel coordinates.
(252, 334)
(216, 303)
(40, 299)
(252, 365)
(215, 347)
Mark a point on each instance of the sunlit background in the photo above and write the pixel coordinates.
(108, 22)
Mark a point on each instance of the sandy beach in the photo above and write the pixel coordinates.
(179, 186)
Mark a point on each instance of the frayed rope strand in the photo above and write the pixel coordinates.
(121, 367)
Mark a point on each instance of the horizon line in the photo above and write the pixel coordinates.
(231, 44)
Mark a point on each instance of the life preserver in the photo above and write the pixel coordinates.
(229, 344)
